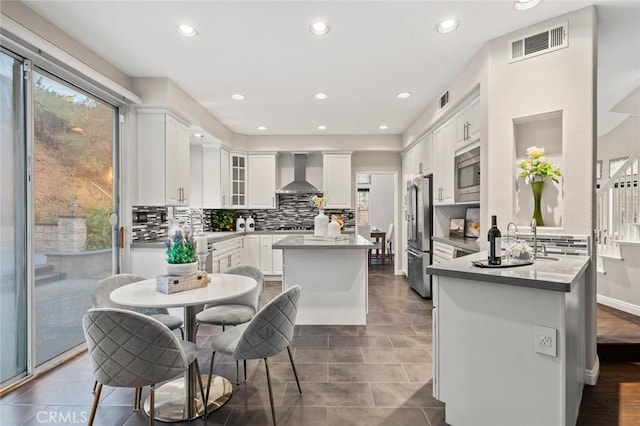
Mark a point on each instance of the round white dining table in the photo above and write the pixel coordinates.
(179, 400)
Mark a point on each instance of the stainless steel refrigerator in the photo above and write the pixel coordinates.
(419, 232)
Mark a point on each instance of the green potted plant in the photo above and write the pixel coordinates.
(181, 254)
(535, 169)
(223, 221)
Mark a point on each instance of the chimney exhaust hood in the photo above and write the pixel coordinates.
(299, 184)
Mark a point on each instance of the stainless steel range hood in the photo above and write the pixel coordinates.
(299, 184)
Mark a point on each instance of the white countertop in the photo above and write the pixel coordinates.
(556, 275)
(345, 241)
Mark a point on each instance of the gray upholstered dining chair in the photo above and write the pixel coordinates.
(104, 288)
(129, 349)
(266, 335)
(101, 299)
(389, 242)
(238, 310)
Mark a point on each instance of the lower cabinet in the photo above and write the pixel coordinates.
(442, 252)
(266, 255)
(251, 251)
(226, 255)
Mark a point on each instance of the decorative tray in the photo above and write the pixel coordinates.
(510, 264)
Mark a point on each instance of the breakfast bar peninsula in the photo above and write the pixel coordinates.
(332, 274)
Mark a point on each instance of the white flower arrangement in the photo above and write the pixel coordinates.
(520, 250)
(320, 202)
(535, 168)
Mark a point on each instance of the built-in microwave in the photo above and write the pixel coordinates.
(467, 176)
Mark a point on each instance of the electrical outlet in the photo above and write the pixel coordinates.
(544, 340)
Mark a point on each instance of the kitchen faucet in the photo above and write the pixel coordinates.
(535, 237)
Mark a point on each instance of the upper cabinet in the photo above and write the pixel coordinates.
(413, 161)
(163, 160)
(467, 124)
(261, 184)
(427, 154)
(443, 166)
(336, 171)
(238, 180)
(209, 176)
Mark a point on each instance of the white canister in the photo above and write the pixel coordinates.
(333, 230)
(251, 225)
(240, 224)
(320, 224)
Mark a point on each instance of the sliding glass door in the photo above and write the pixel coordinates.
(13, 291)
(58, 177)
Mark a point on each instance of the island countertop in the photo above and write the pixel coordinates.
(555, 275)
(348, 241)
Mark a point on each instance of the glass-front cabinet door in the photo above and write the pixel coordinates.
(238, 180)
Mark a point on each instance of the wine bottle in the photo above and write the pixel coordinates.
(495, 243)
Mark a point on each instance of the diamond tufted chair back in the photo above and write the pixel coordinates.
(252, 298)
(129, 349)
(271, 329)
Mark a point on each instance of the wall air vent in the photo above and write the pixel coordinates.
(444, 100)
(532, 45)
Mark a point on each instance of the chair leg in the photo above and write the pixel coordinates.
(213, 355)
(96, 398)
(152, 404)
(182, 331)
(204, 401)
(244, 361)
(295, 373)
(237, 372)
(136, 399)
(273, 410)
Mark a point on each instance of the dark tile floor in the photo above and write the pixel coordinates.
(378, 374)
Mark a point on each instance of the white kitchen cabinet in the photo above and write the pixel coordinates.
(336, 172)
(227, 254)
(427, 154)
(442, 252)
(443, 167)
(225, 178)
(277, 260)
(238, 179)
(467, 124)
(163, 160)
(251, 252)
(209, 176)
(266, 254)
(261, 183)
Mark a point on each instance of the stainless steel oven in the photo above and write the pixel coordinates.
(467, 176)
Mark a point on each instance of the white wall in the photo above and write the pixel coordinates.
(620, 287)
(621, 141)
(381, 195)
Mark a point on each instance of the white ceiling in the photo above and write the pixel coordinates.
(264, 50)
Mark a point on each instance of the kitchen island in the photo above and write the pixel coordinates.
(492, 364)
(332, 274)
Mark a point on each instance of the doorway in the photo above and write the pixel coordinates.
(377, 215)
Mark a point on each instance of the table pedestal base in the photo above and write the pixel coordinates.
(170, 403)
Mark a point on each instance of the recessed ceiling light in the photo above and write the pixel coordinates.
(447, 26)
(186, 30)
(322, 127)
(319, 28)
(198, 135)
(237, 97)
(526, 4)
(383, 126)
(262, 128)
(403, 95)
(320, 96)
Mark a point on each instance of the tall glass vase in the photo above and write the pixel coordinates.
(536, 188)
(320, 224)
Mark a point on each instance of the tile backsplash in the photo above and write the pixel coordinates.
(150, 223)
(575, 245)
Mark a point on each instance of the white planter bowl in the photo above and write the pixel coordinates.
(182, 268)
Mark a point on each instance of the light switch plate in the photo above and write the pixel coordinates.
(544, 340)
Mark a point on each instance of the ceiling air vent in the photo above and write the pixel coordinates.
(547, 41)
(444, 100)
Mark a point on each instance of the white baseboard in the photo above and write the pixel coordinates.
(591, 376)
(619, 304)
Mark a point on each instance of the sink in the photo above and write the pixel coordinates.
(546, 258)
